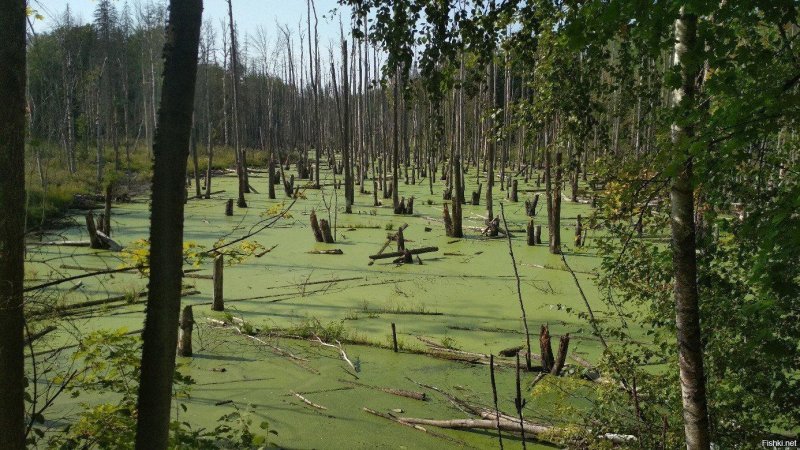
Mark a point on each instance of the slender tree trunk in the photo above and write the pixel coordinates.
(241, 165)
(12, 225)
(171, 150)
(684, 258)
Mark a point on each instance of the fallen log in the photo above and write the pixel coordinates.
(421, 396)
(480, 424)
(335, 251)
(307, 401)
(416, 427)
(107, 242)
(398, 254)
(62, 243)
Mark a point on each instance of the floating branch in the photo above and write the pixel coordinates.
(308, 402)
(398, 254)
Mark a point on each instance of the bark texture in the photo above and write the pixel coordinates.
(684, 258)
(12, 200)
(171, 151)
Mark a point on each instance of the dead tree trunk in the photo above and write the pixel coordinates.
(531, 233)
(448, 222)
(171, 151)
(546, 349)
(315, 227)
(218, 301)
(185, 332)
(107, 211)
(12, 227)
(561, 358)
(326, 231)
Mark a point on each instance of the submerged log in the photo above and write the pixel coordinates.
(398, 254)
(335, 251)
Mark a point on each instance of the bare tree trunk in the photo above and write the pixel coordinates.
(684, 258)
(171, 150)
(12, 225)
(241, 165)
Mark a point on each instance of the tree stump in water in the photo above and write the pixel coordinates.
(315, 227)
(91, 228)
(401, 207)
(563, 347)
(106, 220)
(546, 349)
(401, 240)
(531, 233)
(530, 206)
(493, 227)
(578, 232)
(538, 234)
(326, 231)
(229, 207)
(476, 196)
(218, 301)
(288, 187)
(101, 221)
(410, 206)
(448, 222)
(514, 186)
(185, 332)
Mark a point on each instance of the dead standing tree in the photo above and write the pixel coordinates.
(241, 162)
(171, 150)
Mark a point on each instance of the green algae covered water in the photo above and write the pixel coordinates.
(463, 297)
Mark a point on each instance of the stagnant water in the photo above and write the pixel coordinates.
(464, 295)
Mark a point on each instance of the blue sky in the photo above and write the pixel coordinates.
(248, 14)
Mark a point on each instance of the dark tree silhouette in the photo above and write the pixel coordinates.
(12, 227)
(171, 150)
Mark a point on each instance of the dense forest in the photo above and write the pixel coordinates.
(621, 174)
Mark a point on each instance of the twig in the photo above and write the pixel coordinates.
(494, 398)
(519, 290)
